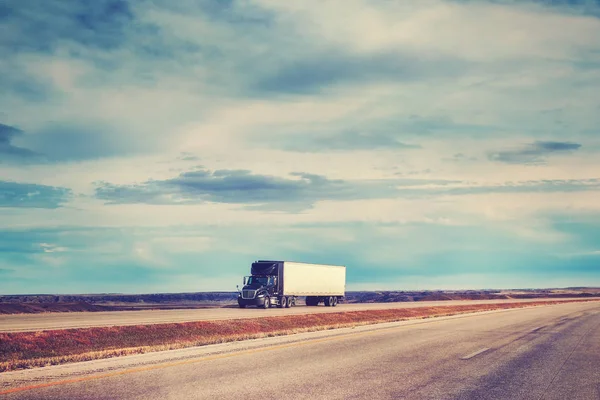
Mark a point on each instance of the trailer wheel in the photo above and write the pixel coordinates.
(289, 302)
(328, 301)
(267, 302)
(334, 301)
(283, 302)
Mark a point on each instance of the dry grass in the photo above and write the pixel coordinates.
(34, 349)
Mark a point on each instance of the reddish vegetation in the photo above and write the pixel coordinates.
(29, 349)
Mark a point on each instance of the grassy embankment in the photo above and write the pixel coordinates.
(34, 349)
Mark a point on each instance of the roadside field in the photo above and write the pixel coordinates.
(20, 350)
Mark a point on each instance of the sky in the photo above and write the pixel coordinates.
(160, 146)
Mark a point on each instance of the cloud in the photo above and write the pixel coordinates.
(61, 142)
(345, 141)
(20, 85)
(370, 251)
(97, 68)
(75, 142)
(234, 12)
(320, 71)
(101, 260)
(462, 29)
(302, 190)
(28, 195)
(460, 158)
(534, 153)
(10, 152)
(438, 124)
(43, 25)
(392, 133)
(134, 94)
(556, 146)
(414, 172)
(536, 186)
(52, 248)
(241, 187)
(578, 7)
(187, 156)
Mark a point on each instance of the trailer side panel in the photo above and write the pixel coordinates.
(300, 279)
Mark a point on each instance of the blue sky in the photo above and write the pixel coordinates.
(159, 146)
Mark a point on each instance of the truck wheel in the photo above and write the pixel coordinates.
(288, 303)
(267, 302)
(334, 301)
(283, 303)
(328, 301)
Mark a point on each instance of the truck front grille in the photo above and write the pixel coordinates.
(248, 294)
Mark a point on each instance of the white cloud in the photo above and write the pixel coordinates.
(527, 73)
(52, 248)
(183, 244)
(477, 31)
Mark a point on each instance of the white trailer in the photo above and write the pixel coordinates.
(301, 279)
(280, 282)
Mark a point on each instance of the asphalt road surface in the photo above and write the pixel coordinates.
(49, 321)
(550, 352)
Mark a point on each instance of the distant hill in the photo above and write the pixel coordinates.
(38, 303)
(396, 296)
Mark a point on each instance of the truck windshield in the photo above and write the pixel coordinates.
(257, 281)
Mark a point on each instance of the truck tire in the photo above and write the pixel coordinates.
(335, 300)
(267, 302)
(283, 302)
(328, 301)
(290, 302)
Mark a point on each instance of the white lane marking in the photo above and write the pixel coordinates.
(475, 353)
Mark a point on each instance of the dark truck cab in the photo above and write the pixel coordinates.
(263, 287)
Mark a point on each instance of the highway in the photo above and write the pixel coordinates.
(550, 352)
(50, 321)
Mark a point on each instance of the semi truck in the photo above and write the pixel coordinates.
(280, 283)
